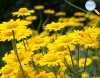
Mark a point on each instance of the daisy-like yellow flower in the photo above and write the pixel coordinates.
(51, 59)
(88, 38)
(60, 14)
(39, 41)
(23, 12)
(13, 24)
(23, 33)
(12, 58)
(58, 49)
(7, 71)
(66, 41)
(30, 18)
(37, 57)
(82, 61)
(39, 7)
(28, 70)
(7, 35)
(54, 26)
(49, 11)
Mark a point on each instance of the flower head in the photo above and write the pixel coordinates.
(39, 7)
(54, 26)
(49, 11)
(23, 12)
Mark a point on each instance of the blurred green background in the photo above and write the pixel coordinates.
(9, 6)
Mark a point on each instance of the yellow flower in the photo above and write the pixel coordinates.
(66, 41)
(39, 7)
(85, 75)
(60, 14)
(63, 19)
(58, 49)
(79, 14)
(13, 24)
(39, 41)
(7, 71)
(54, 26)
(12, 58)
(28, 70)
(50, 59)
(49, 11)
(82, 61)
(37, 57)
(30, 18)
(23, 33)
(88, 38)
(96, 58)
(23, 12)
(7, 35)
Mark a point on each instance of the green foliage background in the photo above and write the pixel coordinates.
(9, 6)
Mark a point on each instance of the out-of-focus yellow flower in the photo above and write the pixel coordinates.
(79, 14)
(96, 58)
(82, 62)
(49, 11)
(60, 14)
(85, 75)
(54, 26)
(37, 57)
(63, 19)
(23, 12)
(39, 7)
(30, 18)
(51, 59)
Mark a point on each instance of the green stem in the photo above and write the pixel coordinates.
(85, 59)
(40, 23)
(66, 64)
(78, 54)
(56, 34)
(16, 53)
(54, 71)
(78, 7)
(71, 56)
(27, 41)
(45, 22)
(75, 6)
(24, 44)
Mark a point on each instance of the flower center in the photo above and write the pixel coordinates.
(23, 10)
(88, 40)
(66, 39)
(39, 40)
(11, 25)
(7, 70)
(51, 59)
(61, 48)
(9, 33)
(38, 56)
(55, 25)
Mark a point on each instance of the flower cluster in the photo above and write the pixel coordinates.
(67, 48)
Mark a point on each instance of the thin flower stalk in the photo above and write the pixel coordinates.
(16, 53)
(85, 59)
(45, 22)
(40, 23)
